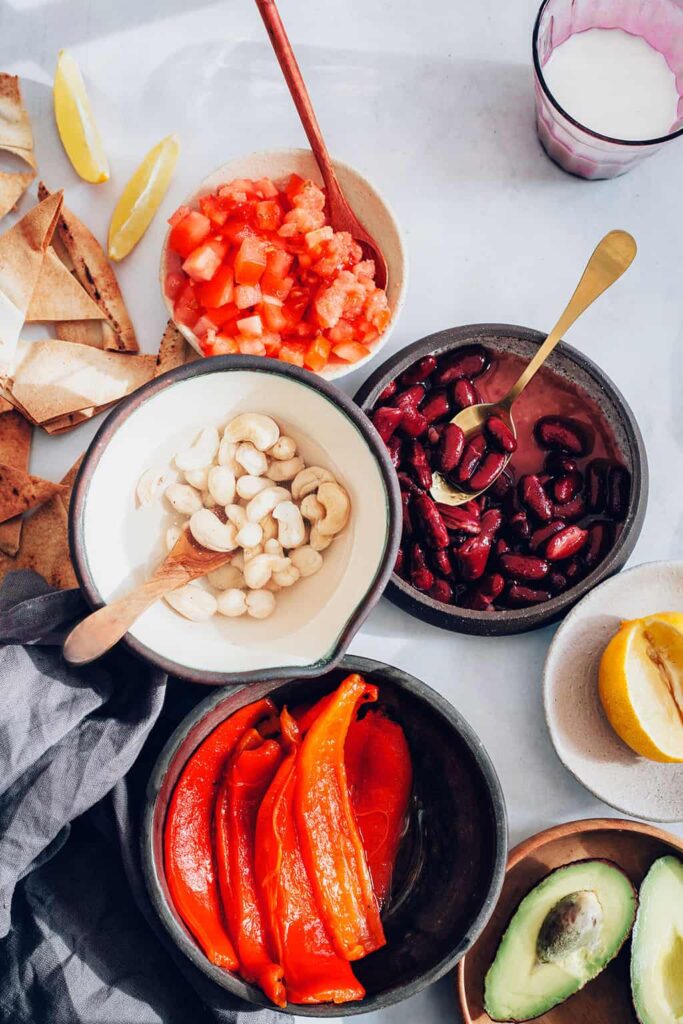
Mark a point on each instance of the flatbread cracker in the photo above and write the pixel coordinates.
(174, 350)
(12, 188)
(16, 134)
(15, 450)
(68, 482)
(81, 332)
(19, 491)
(95, 273)
(45, 545)
(58, 295)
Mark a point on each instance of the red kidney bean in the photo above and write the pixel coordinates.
(567, 434)
(456, 517)
(442, 591)
(467, 361)
(534, 497)
(519, 596)
(473, 556)
(566, 543)
(399, 563)
(557, 582)
(477, 602)
(450, 448)
(434, 432)
(388, 393)
(559, 463)
(500, 435)
(465, 394)
(618, 491)
(491, 522)
(501, 547)
(571, 510)
(600, 540)
(411, 397)
(416, 457)
(502, 484)
(433, 526)
(421, 576)
(436, 407)
(596, 484)
(407, 530)
(394, 447)
(524, 567)
(386, 419)
(518, 525)
(567, 487)
(413, 422)
(487, 470)
(406, 484)
(544, 533)
(419, 371)
(490, 587)
(471, 457)
(573, 571)
(441, 562)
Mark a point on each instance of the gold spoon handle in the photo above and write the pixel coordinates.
(611, 257)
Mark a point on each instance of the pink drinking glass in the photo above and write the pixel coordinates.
(570, 144)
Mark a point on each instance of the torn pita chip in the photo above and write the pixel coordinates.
(58, 295)
(21, 256)
(12, 188)
(16, 134)
(174, 350)
(81, 332)
(45, 545)
(69, 480)
(15, 450)
(20, 491)
(5, 406)
(94, 271)
(53, 378)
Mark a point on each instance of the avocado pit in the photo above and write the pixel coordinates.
(572, 924)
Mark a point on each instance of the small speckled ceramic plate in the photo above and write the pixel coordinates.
(583, 738)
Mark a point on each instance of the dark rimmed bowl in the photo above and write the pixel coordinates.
(115, 545)
(568, 362)
(451, 864)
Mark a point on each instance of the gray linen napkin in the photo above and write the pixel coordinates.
(79, 941)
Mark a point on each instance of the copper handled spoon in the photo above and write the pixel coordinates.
(98, 632)
(611, 257)
(342, 217)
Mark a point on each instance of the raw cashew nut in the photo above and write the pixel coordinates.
(265, 502)
(316, 539)
(273, 547)
(251, 459)
(201, 453)
(173, 536)
(249, 535)
(249, 553)
(286, 470)
(291, 526)
(238, 561)
(208, 500)
(236, 514)
(261, 430)
(284, 448)
(183, 498)
(287, 577)
(227, 577)
(337, 505)
(249, 486)
(307, 560)
(150, 484)
(221, 484)
(260, 604)
(272, 586)
(232, 603)
(208, 530)
(311, 508)
(197, 478)
(309, 480)
(226, 453)
(193, 602)
(258, 570)
(269, 527)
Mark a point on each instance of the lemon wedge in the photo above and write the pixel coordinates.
(75, 122)
(641, 685)
(141, 197)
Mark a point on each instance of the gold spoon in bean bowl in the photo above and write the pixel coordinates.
(611, 257)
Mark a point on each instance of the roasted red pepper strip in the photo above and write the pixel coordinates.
(314, 972)
(246, 779)
(380, 778)
(188, 855)
(330, 841)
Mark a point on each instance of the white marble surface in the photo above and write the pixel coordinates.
(434, 102)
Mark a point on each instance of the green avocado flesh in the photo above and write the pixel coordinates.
(563, 933)
(657, 947)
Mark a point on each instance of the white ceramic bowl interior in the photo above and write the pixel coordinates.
(366, 202)
(123, 543)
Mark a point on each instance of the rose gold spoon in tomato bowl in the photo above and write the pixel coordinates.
(611, 257)
(342, 217)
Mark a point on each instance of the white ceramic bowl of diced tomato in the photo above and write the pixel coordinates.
(251, 266)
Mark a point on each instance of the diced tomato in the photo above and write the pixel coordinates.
(250, 261)
(214, 210)
(291, 353)
(225, 345)
(189, 232)
(251, 347)
(204, 261)
(236, 230)
(203, 327)
(219, 289)
(297, 303)
(251, 326)
(181, 212)
(278, 262)
(308, 196)
(174, 284)
(317, 353)
(341, 332)
(315, 238)
(293, 187)
(272, 342)
(222, 315)
(277, 287)
(273, 316)
(267, 215)
(266, 187)
(351, 352)
(247, 295)
(186, 309)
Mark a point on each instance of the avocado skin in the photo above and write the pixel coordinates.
(651, 879)
(614, 954)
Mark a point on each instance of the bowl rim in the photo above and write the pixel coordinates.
(512, 621)
(191, 198)
(257, 364)
(442, 707)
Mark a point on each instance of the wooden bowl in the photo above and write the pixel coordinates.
(630, 844)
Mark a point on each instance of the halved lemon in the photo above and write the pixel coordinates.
(76, 123)
(641, 685)
(141, 197)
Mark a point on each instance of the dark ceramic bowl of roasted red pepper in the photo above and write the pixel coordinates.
(451, 860)
(525, 552)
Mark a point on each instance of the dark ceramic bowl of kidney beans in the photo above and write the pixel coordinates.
(565, 513)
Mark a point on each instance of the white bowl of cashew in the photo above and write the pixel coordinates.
(117, 542)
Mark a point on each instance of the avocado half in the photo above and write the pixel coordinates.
(657, 946)
(562, 935)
